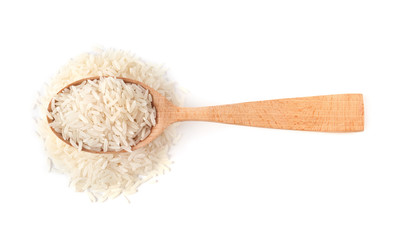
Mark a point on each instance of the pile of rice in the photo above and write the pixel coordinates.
(105, 176)
(105, 114)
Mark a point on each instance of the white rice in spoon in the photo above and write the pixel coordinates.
(105, 176)
(103, 115)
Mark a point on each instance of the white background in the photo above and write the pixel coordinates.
(227, 182)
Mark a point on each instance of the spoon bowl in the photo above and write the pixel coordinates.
(328, 113)
(163, 109)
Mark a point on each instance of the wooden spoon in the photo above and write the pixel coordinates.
(329, 113)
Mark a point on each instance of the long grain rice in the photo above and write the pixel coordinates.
(110, 127)
(105, 176)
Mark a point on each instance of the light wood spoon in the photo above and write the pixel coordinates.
(329, 113)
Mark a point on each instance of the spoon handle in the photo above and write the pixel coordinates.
(330, 113)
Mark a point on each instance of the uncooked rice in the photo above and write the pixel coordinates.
(103, 115)
(105, 176)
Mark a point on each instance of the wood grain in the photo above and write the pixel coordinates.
(329, 113)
